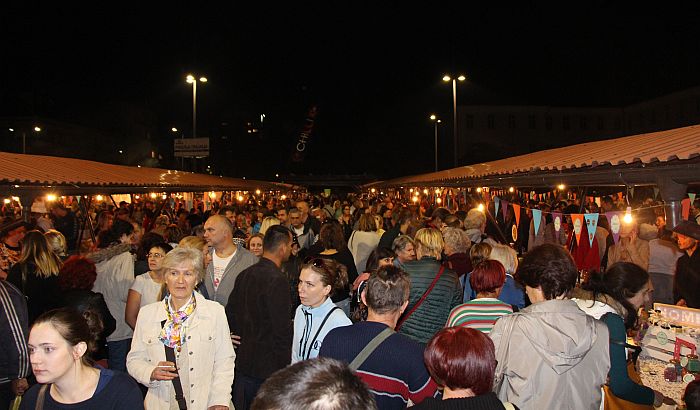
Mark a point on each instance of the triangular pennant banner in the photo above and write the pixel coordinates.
(496, 203)
(504, 209)
(685, 208)
(516, 208)
(556, 217)
(691, 195)
(591, 224)
(656, 192)
(615, 221)
(536, 219)
(578, 223)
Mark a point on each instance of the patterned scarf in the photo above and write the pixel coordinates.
(173, 333)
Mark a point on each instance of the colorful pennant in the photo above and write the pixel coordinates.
(536, 219)
(591, 224)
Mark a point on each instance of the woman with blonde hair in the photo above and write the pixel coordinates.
(36, 275)
(57, 243)
(268, 222)
(512, 293)
(435, 289)
(254, 244)
(363, 241)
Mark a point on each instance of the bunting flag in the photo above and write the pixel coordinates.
(556, 217)
(536, 219)
(614, 220)
(591, 224)
(504, 209)
(496, 203)
(656, 192)
(685, 208)
(516, 208)
(597, 201)
(578, 223)
(692, 197)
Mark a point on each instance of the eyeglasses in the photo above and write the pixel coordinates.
(155, 255)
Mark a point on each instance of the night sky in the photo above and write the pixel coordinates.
(373, 71)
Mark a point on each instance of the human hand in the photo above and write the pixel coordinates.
(19, 386)
(164, 371)
(236, 340)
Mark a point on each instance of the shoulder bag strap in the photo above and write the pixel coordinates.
(422, 298)
(325, 319)
(371, 347)
(179, 395)
(502, 351)
(41, 397)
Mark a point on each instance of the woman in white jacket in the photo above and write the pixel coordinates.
(317, 315)
(195, 329)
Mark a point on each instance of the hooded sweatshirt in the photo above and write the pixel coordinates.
(555, 358)
(307, 321)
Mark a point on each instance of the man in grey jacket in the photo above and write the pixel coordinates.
(228, 259)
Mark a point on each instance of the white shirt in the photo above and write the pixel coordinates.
(220, 265)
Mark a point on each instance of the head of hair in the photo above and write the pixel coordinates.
(276, 236)
(166, 247)
(401, 242)
(691, 396)
(440, 213)
(331, 236)
(180, 255)
(487, 276)
(367, 223)
(456, 239)
(250, 238)
(429, 242)
(113, 235)
(267, 222)
(36, 250)
(387, 289)
(57, 242)
(375, 256)
(507, 256)
(621, 281)
(461, 358)
(147, 240)
(194, 242)
(452, 221)
(331, 272)
(317, 384)
(77, 272)
(550, 267)
(479, 252)
(475, 219)
(75, 327)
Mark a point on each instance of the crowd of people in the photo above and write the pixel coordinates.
(328, 302)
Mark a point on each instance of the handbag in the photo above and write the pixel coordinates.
(502, 354)
(421, 300)
(14, 404)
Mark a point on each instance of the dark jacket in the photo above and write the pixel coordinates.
(686, 283)
(432, 314)
(43, 294)
(82, 300)
(259, 311)
(14, 332)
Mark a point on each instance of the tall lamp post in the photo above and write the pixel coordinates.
(447, 79)
(436, 121)
(36, 129)
(192, 80)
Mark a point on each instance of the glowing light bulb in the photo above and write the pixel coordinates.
(415, 199)
(480, 207)
(437, 191)
(628, 215)
(7, 201)
(373, 190)
(439, 200)
(50, 197)
(425, 191)
(99, 197)
(153, 195)
(284, 197)
(240, 198)
(165, 196)
(478, 189)
(410, 190)
(561, 187)
(257, 192)
(511, 190)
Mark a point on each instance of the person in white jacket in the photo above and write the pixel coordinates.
(197, 331)
(317, 315)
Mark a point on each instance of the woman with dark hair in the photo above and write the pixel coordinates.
(551, 355)
(146, 287)
(363, 241)
(60, 344)
(378, 258)
(76, 278)
(145, 244)
(481, 313)
(347, 222)
(614, 298)
(317, 315)
(36, 275)
(461, 361)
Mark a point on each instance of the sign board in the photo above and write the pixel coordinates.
(192, 147)
(679, 314)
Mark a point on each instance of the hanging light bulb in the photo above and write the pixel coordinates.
(98, 197)
(511, 190)
(478, 189)
(425, 191)
(415, 199)
(628, 215)
(439, 200)
(480, 207)
(561, 187)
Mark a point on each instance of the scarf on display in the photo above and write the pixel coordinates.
(173, 333)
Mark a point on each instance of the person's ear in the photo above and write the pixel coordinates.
(79, 350)
(363, 296)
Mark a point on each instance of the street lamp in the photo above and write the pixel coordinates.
(437, 121)
(447, 79)
(36, 129)
(192, 80)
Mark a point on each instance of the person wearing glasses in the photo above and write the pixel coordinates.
(146, 287)
(317, 314)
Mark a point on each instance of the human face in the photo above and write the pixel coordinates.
(207, 256)
(51, 356)
(215, 233)
(686, 242)
(295, 220)
(303, 207)
(407, 254)
(181, 281)
(642, 297)
(231, 217)
(386, 261)
(346, 210)
(282, 216)
(155, 258)
(312, 292)
(256, 246)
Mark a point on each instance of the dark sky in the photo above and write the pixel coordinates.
(373, 71)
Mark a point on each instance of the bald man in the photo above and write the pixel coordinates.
(228, 259)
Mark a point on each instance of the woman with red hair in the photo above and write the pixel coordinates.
(487, 280)
(462, 361)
